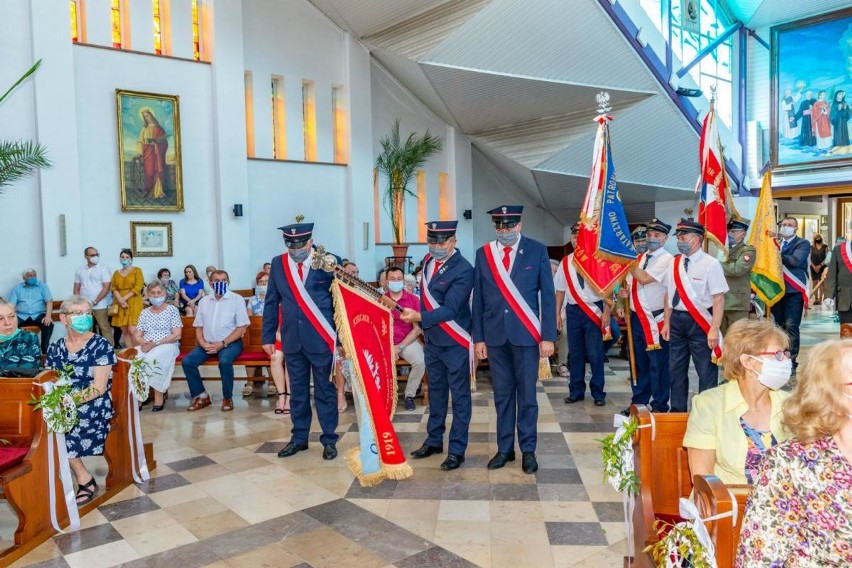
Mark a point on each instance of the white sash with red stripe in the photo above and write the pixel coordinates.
(451, 328)
(307, 304)
(846, 255)
(591, 310)
(511, 293)
(650, 323)
(701, 315)
(801, 287)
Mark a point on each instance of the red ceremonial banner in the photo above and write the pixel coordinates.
(365, 329)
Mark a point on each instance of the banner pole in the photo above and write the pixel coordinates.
(630, 352)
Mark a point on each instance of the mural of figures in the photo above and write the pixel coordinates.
(811, 74)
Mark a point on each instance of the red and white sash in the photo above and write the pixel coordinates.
(593, 312)
(651, 325)
(450, 327)
(791, 281)
(846, 255)
(511, 293)
(307, 304)
(701, 315)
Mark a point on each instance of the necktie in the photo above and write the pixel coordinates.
(301, 275)
(506, 260)
(438, 264)
(647, 260)
(686, 269)
(784, 245)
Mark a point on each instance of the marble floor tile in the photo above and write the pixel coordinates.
(104, 556)
(435, 557)
(84, 539)
(568, 533)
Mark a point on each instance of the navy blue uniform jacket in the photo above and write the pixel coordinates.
(494, 322)
(451, 287)
(297, 332)
(795, 258)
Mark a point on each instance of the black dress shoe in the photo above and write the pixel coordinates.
(500, 459)
(329, 452)
(291, 449)
(529, 464)
(425, 451)
(572, 399)
(452, 462)
(600, 402)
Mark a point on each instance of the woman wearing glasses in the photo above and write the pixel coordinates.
(730, 426)
(91, 357)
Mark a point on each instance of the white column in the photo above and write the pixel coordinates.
(139, 21)
(98, 22)
(461, 180)
(181, 28)
(226, 41)
(56, 128)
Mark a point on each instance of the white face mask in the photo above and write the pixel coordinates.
(787, 232)
(775, 374)
(94, 259)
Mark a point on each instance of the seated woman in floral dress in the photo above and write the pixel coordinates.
(158, 339)
(19, 348)
(800, 509)
(91, 357)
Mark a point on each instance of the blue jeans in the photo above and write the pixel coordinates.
(686, 338)
(226, 358)
(585, 341)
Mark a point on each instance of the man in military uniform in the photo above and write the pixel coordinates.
(737, 269)
(695, 304)
(445, 319)
(514, 324)
(308, 337)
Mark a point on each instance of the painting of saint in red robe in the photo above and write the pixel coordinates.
(149, 152)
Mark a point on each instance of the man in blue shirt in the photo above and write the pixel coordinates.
(34, 305)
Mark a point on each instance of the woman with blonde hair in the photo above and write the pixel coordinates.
(800, 510)
(731, 425)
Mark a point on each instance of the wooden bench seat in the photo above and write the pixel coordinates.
(662, 466)
(252, 357)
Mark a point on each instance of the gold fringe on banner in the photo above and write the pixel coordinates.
(654, 347)
(544, 372)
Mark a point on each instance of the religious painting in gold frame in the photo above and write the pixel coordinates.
(149, 151)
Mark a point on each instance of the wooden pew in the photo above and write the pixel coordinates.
(712, 498)
(664, 477)
(253, 357)
(25, 485)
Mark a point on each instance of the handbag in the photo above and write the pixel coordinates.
(112, 310)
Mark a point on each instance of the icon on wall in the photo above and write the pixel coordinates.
(149, 151)
(690, 16)
(150, 239)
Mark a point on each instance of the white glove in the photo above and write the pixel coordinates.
(829, 303)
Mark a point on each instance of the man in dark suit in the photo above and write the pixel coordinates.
(308, 337)
(445, 319)
(787, 312)
(513, 330)
(838, 285)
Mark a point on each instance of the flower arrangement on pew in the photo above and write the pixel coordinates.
(139, 376)
(617, 453)
(59, 404)
(686, 543)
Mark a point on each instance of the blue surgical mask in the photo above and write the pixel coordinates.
(157, 302)
(508, 239)
(8, 337)
(300, 255)
(684, 247)
(125, 262)
(81, 323)
(395, 286)
(438, 253)
(654, 244)
(220, 288)
(260, 289)
(641, 248)
(32, 281)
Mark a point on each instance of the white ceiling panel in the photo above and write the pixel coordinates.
(518, 174)
(482, 101)
(415, 37)
(573, 41)
(368, 17)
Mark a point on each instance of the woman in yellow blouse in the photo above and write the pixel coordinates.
(730, 426)
(126, 287)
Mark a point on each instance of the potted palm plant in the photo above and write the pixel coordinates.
(398, 161)
(20, 158)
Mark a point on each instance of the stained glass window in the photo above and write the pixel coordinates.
(75, 24)
(158, 27)
(196, 41)
(115, 18)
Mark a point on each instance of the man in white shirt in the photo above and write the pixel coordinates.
(587, 317)
(92, 281)
(220, 323)
(692, 320)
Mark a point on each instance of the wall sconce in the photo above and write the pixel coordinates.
(238, 209)
(468, 214)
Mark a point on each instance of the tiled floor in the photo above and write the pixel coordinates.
(220, 497)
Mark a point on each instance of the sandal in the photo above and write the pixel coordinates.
(271, 390)
(283, 410)
(342, 405)
(86, 491)
(247, 390)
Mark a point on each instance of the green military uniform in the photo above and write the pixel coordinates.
(737, 270)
